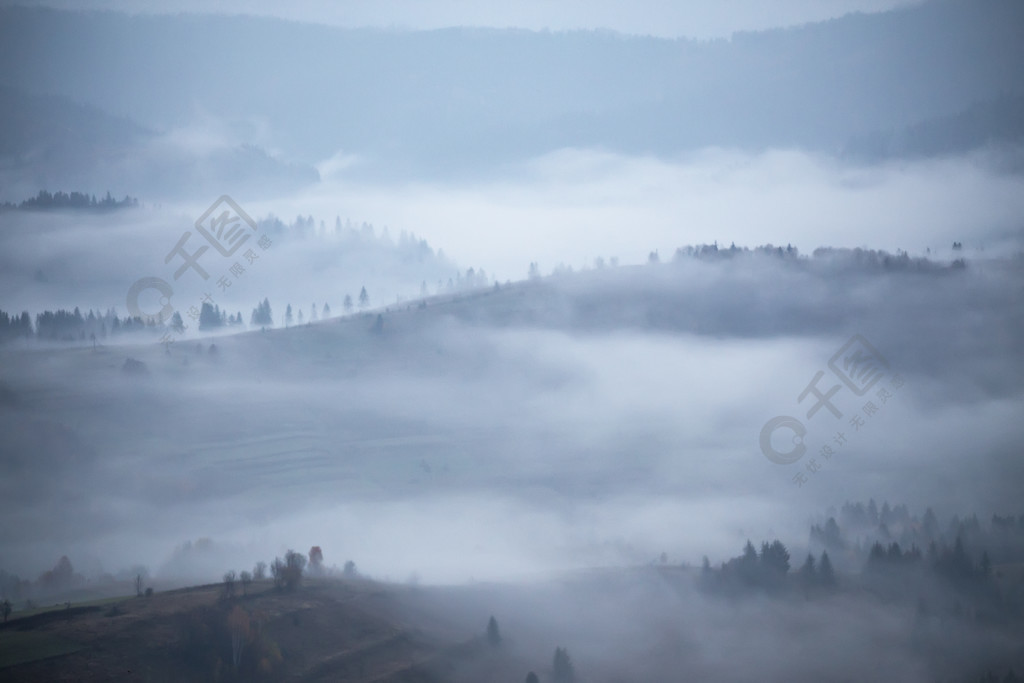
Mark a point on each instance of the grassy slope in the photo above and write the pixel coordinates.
(326, 630)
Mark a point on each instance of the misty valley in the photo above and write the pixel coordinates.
(360, 349)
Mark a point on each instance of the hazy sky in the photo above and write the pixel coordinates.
(693, 18)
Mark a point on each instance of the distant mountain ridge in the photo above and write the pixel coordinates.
(998, 123)
(50, 141)
(459, 100)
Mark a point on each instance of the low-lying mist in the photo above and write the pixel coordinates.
(596, 419)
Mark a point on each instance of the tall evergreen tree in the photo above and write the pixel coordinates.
(562, 666)
(826, 575)
(493, 635)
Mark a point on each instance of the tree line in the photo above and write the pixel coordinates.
(93, 326)
(48, 201)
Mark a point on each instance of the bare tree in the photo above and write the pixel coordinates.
(294, 563)
(245, 578)
(229, 583)
(316, 560)
(259, 572)
(277, 571)
(288, 573)
(239, 627)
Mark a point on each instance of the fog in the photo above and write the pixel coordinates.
(653, 17)
(537, 324)
(572, 206)
(577, 440)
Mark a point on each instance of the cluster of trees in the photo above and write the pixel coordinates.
(286, 572)
(226, 642)
(60, 578)
(562, 670)
(951, 563)
(765, 570)
(262, 315)
(561, 665)
(363, 239)
(877, 259)
(411, 246)
(473, 278)
(348, 305)
(15, 326)
(954, 570)
(712, 252)
(860, 526)
(211, 317)
(93, 326)
(857, 258)
(817, 574)
(45, 201)
(70, 326)
(325, 313)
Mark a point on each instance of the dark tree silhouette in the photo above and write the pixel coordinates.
(826, 575)
(211, 317)
(261, 315)
(316, 559)
(177, 324)
(808, 573)
(562, 666)
(287, 573)
(493, 635)
(775, 557)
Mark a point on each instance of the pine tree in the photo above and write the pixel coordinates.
(493, 636)
(209, 318)
(562, 666)
(826, 575)
(808, 572)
